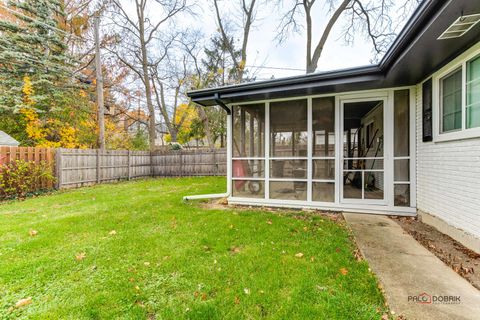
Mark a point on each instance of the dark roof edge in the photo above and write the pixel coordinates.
(312, 77)
(403, 40)
(409, 31)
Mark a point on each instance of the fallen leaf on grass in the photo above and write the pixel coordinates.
(299, 255)
(344, 271)
(321, 288)
(269, 222)
(80, 256)
(33, 233)
(235, 250)
(204, 296)
(237, 300)
(23, 302)
(358, 255)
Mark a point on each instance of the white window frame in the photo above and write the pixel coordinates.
(293, 158)
(457, 63)
(230, 124)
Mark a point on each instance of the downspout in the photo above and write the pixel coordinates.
(229, 156)
(222, 104)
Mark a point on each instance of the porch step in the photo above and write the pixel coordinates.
(406, 269)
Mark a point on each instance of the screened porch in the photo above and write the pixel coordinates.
(338, 152)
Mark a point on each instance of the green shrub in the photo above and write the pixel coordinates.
(20, 178)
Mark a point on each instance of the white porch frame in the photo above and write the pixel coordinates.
(385, 207)
(387, 151)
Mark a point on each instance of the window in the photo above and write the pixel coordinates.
(458, 94)
(451, 101)
(473, 93)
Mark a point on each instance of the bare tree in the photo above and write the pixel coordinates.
(248, 14)
(191, 45)
(175, 83)
(139, 43)
(371, 18)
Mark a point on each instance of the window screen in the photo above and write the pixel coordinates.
(451, 99)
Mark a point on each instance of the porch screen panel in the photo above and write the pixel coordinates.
(248, 151)
(288, 150)
(363, 151)
(323, 146)
(249, 131)
(401, 148)
(288, 129)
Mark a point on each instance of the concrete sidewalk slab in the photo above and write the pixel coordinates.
(406, 269)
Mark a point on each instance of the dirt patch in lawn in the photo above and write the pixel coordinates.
(462, 260)
(301, 214)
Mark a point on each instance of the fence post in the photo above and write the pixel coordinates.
(58, 168)
(98, 166)
(151, 163)
(181, 163)
(215, 173)
(129, 155)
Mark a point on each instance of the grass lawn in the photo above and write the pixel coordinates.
(133, 250)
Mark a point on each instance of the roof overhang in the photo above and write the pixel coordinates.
(415, 54)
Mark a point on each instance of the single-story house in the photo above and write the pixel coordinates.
(401, 137)
(7, 140)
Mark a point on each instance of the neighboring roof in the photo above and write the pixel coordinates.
(414, 55)
(6, 140)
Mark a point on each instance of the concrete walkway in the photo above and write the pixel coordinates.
(405, 268)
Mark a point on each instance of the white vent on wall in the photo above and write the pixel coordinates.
(461, 26)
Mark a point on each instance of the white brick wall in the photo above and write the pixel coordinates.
(448, 178)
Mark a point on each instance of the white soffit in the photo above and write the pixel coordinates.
(461, 26)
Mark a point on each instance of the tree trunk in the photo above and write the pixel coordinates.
(152, 132)
(173, 136)
(312, 59)
(206, 126)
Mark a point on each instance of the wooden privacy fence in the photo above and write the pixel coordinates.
(75, 168)
(37, 155)
(8, 154)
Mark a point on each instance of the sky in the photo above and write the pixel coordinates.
(264, 50)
